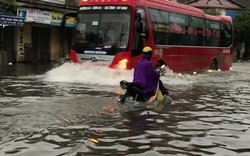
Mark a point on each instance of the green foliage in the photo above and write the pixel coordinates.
(8, 5)
(212, 11)
(242, 31)
(242, 26)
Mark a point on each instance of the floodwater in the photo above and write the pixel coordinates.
(71, 110)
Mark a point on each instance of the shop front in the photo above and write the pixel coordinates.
(8, 29)
(40, 40)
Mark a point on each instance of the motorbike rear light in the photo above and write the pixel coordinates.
(123, 64)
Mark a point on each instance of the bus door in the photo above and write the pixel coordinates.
(140, 34)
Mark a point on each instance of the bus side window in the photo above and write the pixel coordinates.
(160, 26)
(140, 32)
(213, 33)
(179, 24)
(197, 31)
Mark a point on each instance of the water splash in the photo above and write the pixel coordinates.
(89, 74)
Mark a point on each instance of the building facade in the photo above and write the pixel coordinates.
(31, 31)
(225, 7)
(9, 23)
(41, 39)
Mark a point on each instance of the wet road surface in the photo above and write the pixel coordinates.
(72, 110)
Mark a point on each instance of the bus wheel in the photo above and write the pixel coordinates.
(159, 64)
(214, 65)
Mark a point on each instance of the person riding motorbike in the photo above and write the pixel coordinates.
(146, 80)
(145, 75)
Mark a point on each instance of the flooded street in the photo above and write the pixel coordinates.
(72, 110)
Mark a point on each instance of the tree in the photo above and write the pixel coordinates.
(212, 11)
(242, 31)
(8, 5)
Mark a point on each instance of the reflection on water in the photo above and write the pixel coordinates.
(209, 116)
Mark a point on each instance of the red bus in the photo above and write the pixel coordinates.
(114, 32)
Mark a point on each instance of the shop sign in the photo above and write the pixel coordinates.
(21, 45)
(11, 20)
(55, 1)
(34, 15)
(56, 19)
(22, 13)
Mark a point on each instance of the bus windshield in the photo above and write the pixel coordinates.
(103, 27)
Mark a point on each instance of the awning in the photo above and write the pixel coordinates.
(9, 20)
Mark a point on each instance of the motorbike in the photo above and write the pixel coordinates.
(134, 91)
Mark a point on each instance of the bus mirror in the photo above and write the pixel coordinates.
(138, 17)
(139, 27)
(138, 24)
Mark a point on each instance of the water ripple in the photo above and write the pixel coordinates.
(209, 116)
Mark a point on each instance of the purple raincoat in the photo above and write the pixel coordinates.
(146, 76)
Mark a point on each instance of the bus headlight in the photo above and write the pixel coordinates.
(123, 64)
